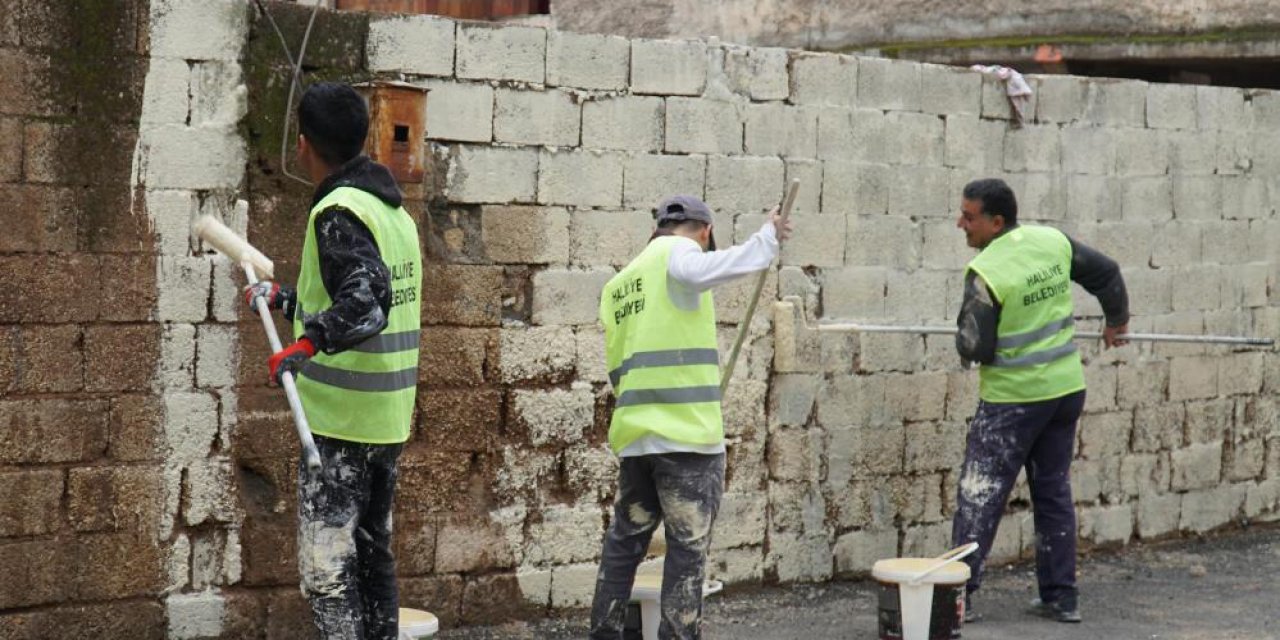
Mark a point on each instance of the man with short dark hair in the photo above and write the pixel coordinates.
(661, 351)
(355, 315)
(1017, 322)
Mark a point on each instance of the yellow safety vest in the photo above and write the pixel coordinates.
(366, 393)
(663, 360)
(1029, 271)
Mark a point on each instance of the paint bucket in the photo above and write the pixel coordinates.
(644, 612)
(922, 598)
(415, 624)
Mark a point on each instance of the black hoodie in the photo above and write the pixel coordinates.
(351, 267)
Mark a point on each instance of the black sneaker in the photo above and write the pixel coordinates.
(970, 616)
(1064, 610)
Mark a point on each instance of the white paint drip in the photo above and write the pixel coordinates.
(175, 165)
(976, 486)
(686, 515)
(323, 550)
(639, 514)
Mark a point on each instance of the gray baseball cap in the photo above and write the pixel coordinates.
(680, 208)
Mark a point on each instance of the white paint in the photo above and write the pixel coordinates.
(192, 103)
(639, 514)
(195, 615)
(976, 486)
(323, 550)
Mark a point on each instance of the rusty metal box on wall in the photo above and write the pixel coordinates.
(397, 127)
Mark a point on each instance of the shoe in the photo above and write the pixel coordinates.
(970, 616)
(1064, 610)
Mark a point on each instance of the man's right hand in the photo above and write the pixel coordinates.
(783, 230)
(1111, 335)
(275, 296)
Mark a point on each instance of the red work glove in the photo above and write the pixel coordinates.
(291, 358)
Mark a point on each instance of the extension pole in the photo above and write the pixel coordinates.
(228, 243)
(787, 202)
(309, 452)
(1084, 335)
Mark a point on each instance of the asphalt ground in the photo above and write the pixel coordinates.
(1220, 587)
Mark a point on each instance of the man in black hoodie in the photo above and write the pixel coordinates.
(355, 314)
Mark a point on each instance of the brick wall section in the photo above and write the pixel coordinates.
(80, 472)
(133, 430)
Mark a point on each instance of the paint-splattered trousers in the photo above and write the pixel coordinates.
(683, 491)
(1003, 439)
(344, 540)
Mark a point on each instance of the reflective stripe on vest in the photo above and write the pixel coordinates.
(1035, 335)
(663, 360)
(1028, 269)
(1036, 357)
(668, 358)
(390, 342)
(361, 381)
(366, 393)
(680, 395)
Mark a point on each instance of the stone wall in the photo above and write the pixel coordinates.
(149, 472)
(81, 455)
(555, 145)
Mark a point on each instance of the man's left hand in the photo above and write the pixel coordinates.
(782, 229)
(1111, 335)
(291, 358)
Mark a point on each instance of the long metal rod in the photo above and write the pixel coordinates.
(1087, 335)
(787, 202)
(309, 452)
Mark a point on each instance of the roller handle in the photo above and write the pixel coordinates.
(787, 203)
(309, 453)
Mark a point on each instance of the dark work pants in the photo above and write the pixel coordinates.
(683, 491)
(344, 540)
(1004, 438)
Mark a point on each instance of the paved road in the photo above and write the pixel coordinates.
(1219, 588)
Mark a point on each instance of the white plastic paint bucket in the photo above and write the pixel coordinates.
(415, 624)
(922, 598)
(646, 595)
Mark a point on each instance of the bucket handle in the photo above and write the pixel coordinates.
(946, 559)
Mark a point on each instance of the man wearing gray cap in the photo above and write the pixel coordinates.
(660, 348)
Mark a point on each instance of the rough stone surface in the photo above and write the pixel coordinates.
(501, 53)
(412, 44)
(137, 425)
(666, 67)
(587, 61)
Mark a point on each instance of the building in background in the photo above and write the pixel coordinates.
(1218, 42)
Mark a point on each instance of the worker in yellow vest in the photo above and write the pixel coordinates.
(355, 315)
(660, 348)
(1017, 321)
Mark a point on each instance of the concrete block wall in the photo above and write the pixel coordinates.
(189, 161)
(853, 452)
(547, 152)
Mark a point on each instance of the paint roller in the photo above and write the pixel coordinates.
(220, 237)
(256, 265)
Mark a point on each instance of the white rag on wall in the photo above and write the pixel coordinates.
(1015, 86)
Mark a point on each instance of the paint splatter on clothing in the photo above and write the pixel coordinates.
(1004, 439)
(351, 267)
(683, 491)
(344, 540)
